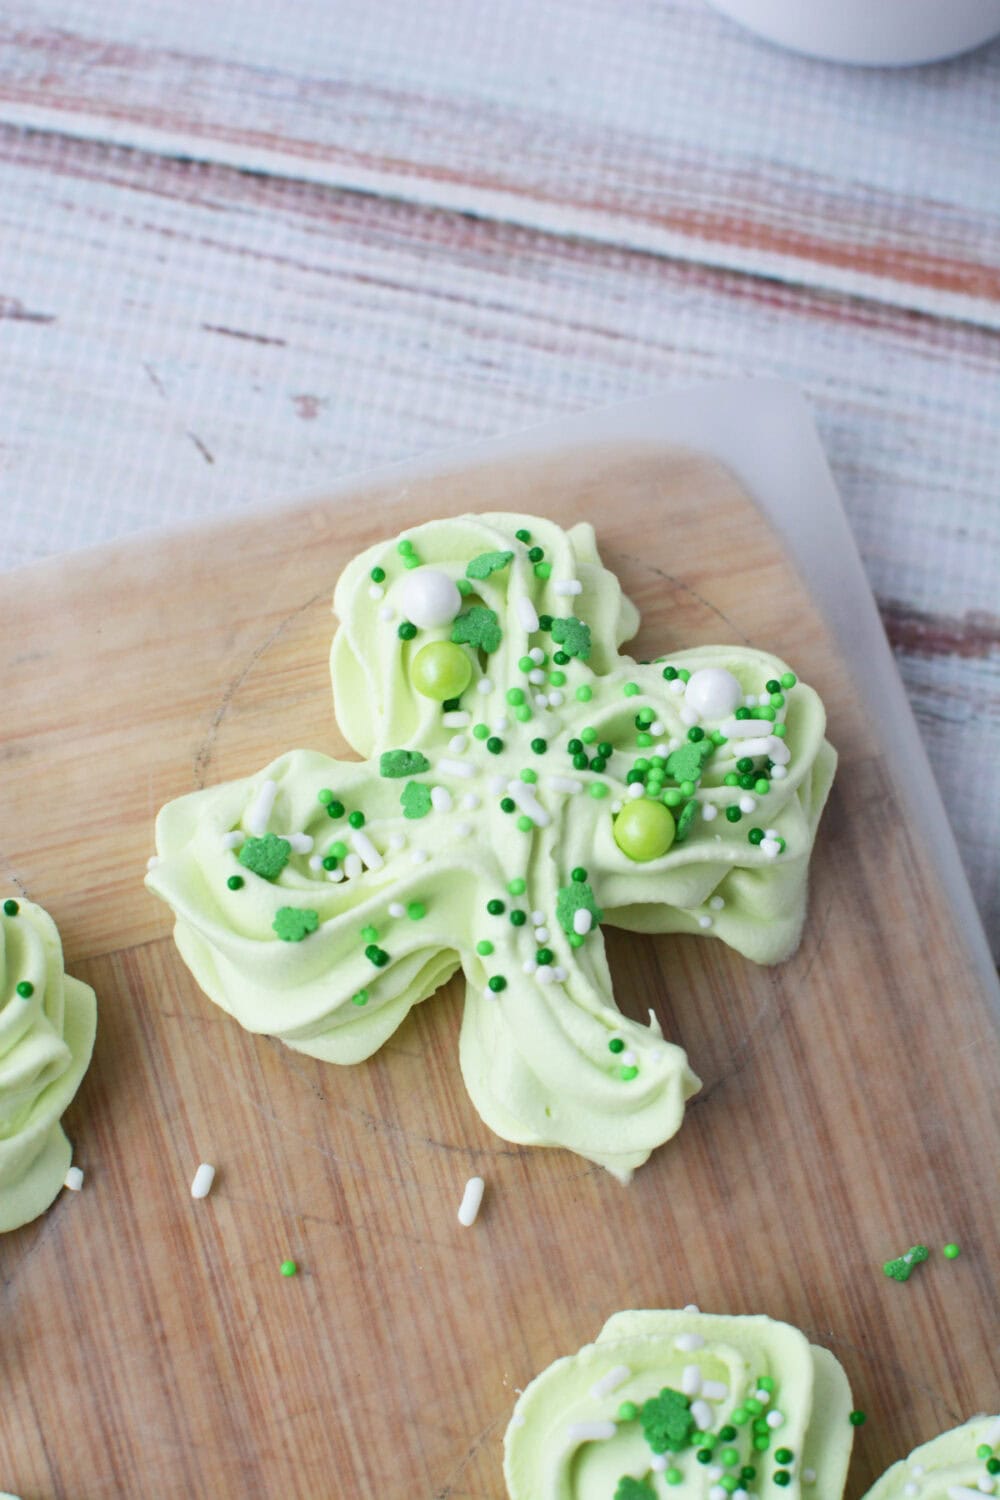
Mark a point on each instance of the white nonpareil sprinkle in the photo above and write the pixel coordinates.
(316, 862)
(420, 856)
(335, 876)
(456, 718)
(261, 809)
(353, 866)
(687, 1343)
(778, 773)
(555, 699)
(537, 918)
(458, 744)
(688, 716)
(233, 840)
(986, 1484)
(717, 1492)
(559, 974)
(463, 768)
(691, 1380)
(808, 1476)
(628, 1058)
(302, 843)
(762, 1396)
(537, 655)
(658, 1463)
(501, 725)
(770, 847)
(583, 920)
(717, 903)
(715, 1390)
(541, 701)
(386, 612)
(397, 841)
(471, 1199)
(397, 909)
(677, 685)
(636, 790)
(748, 804)
(526, 800)
(775, 1419)
(541, 934)
(73, 1179)
(702, 1413)
(692, 1307)
(441, 798)
(471, 801)
(545, 974)
(529, 966)
(709, 812)
(656, 728)
(154, 860)
(715, 1471)
(590, 1432)
(203, 1179)
(376, 591)
(564, 784)
(536, 676)
(362, 845)
(498, 785)
(484, 686)
(616, 808)
(527, 615)
(462, 830)
(771, 833)
(567, 586)
(610, 1382)
(705, 922)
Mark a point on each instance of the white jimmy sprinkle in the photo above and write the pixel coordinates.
(741, 729)
(233, 840)
(555, 699)
(154, 860)
(705, 922)
(702, 1413)
(501, 725)
(261, 808)
(590, 1432)
(770, 847)
(316, 862)
(397, 909)
(73, 1179)
(376, 591)
(536, 676)
(420, 856)
(748, 804)
(541, 934)
(362, 844)
(636, 790)
(755, 747)
(526, 613)
(471, 1199)
(778, 773)
(775, 1419)
(397, 841)
(610, 1382)
(565, 784)
(583, 920)
(537, 655)
(457, 718)
(709, 812)
(463, 768)
(471, 801)
(717, 903)
(458, 744)
(441, 798)
(302, 843)
(353, 866)
(386, 612)
(203, 1179)
(778, 751)
(526, 800)
(484, 686)
(689, 1342)
(715, 1390)
(691, 1380)
(565, 586)
(462, 830)
(498, 785)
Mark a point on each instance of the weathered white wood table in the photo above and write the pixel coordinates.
(245, 249)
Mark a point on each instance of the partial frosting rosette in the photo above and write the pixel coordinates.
(523, 782)
(961, 1464)
(683, 1404)
(47, 1026)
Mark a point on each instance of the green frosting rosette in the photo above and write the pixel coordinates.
(684, 1404)
(47, 1026)
(962, 1464)
(523, 782)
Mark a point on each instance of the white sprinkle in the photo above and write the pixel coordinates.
(775, 1419)
(526, 613)
(778, 751)
(545, 974)
(462, 830)
(471, 1199)
(441, 797)
(629, 1060)
(353, 866)
(583, 920)
(541, 934)
(771, 833)
(808, 1476)
(717, 1492)
(555, 699)
(709, 812)
(715, 1471)
(663, 749)
(524, 796)
(590, 1432)
(386, 612)
(463, 768)
(692, 1307)
(741, 729)
(677, 685)
(316, 862)
(397, 841)
(302, 843)
(778, 773)
(498, 785)
(770, 847)
(715, 1390)
(986, 1484)
(559, 974)
(610, 1382)
(518, 1419)
(636, 790)
(702, 1413)
(762, 1396)
(917, 1470)
(529, 966)
(397, 909)
(154, 860)
(336, 876)
(689, 1342)
(748, 804)
(458, 744)
(656, 728)
(658, 1462)
(717, 903)
(362, 844)
(471, 801)
(456, 718)
(501, 725)
(484, 686)
(741, 1494)
(376, 591)
(541, 701)
(616, 808)
(705, 922)
(73, 1179)
(750, 700)
(567, 586)
(691, 1380)
(688, 715)
(233, 840)
(754, 747)
(261, 808)
(537, 655)
(537, 918)
(203, 1179)
(536, 676)
(565, 784)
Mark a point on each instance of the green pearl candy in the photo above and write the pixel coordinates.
(441, 670)
(644, 830)
(484, 948)
(628, 1411)
(288, 1268)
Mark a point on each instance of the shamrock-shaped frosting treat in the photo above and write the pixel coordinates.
(962, 1464)
(47, 1025)
(684, 1404)
(522, 783)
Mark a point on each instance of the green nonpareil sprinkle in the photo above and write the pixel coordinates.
(25, 989)
(288, 1268)
(10, 908)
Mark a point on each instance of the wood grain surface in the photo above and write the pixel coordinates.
(150, 1346)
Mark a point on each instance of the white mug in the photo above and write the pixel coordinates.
(895, 32)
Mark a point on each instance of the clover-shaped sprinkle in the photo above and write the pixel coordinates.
(633, 1489)
(667, 1423)
(266, 856)
(900, 1268)
(477, 626)
(415, 800)
(687, 762)
(293, 923)
(402, 763)
(487, 563)
(573, 898)
(573, 636)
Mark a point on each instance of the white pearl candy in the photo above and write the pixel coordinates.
(429, 598)
(713, 693)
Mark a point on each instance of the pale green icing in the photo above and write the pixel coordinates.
(553, 1452)
(535, 1057)
(946, 1468)
(45, 1044)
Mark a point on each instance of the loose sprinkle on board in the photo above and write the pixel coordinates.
(471, 1200)
(203, 1179)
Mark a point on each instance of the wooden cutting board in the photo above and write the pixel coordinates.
(150, 1346)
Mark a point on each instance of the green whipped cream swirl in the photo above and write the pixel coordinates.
(683, 1404)
(319, 900)
(47, 1026)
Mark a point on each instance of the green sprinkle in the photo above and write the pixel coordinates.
(543, 570)
(984, 1451)
(536, 554)
(616, 1045)
(575, 939)
(495, 907)
(293, 923)
(765, 1383)
(524, 823)
(704, 1455)
(370, 934)
(376, 955)
(726, 1435)
(356, 819)
(684, 675)
(480, 731)
(497, 983)
(673, 796)
(733, 814)
(515, 695)
(526, 664)
(402, 763)
(523, 535)
(628, 1488)
(667, 1423)
(288, 1268)
(360, 998)
(696, 733)
(598, 790)
(629, 1073)
(494, 744)
(10, 908)
(557, 679)
(324, 796)
(539, 746)
(335, 809)
(522, 714)
(729, 1483)
(782, 1477)
(779, 731)
(993, 1466)
(266, 857)
(407, 630)
(416, 911)
(415, 800)
(235, 882)
(788, 679)
(627, 1412)
(730, 1456)
(858, 1418)
(673, 1476)
(487, 563)
(517, 886)
(477, 627)
(584, 693)
(573, 636)
(544, 955)
(748, 1473)
(753, 1406)
(518, 917)
(951, 1252)
(338, 850)
(762, 1442)
(900, 1268)
(25, 989)
(782, 1456)
(464, 586)
(377, 575)
(740, 1416)
(756, 836)
(529, 776)
(484, 947)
